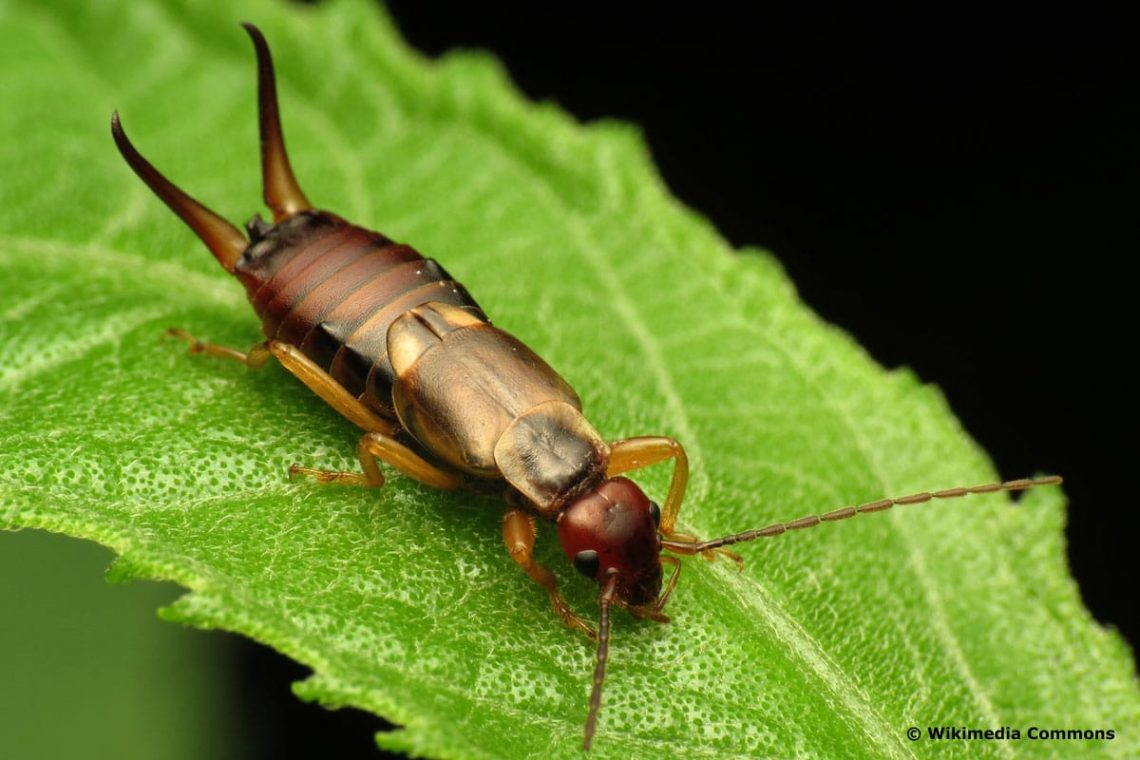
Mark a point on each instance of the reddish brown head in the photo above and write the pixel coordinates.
(613, 530)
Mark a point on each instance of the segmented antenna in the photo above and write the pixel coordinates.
(603, 653)
(810, 521)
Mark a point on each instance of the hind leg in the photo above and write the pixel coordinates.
(301, 367)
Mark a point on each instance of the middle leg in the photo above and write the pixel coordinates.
(374, 446)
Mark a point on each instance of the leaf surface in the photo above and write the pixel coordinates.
(402, 601)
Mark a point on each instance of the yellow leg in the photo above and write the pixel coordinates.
(518, 534)
(303, 368)
(374, 446)
(643, 451)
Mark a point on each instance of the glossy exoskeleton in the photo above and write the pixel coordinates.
(393, 343)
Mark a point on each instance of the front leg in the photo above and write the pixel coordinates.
(643, 451)
(519, 532)
(634, 454)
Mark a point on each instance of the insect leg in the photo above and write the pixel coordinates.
(303, 368)
(373, 446)
(255, 357)
(643, 451)
(376, 444)
(519, 532)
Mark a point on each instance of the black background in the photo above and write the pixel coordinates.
(955, 188)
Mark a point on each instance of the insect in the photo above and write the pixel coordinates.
(393, 343)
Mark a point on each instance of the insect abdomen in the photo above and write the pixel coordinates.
(333, 289)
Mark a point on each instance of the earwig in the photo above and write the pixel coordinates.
(393, 343)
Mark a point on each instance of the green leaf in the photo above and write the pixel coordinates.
(831, 643)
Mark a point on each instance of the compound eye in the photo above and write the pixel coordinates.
(586, 561)
(655, 513)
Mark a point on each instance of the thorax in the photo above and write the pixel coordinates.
(481, 401)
